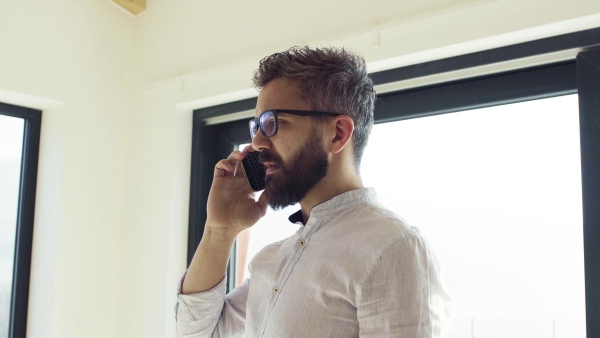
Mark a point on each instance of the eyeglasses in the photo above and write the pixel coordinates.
(268, 123)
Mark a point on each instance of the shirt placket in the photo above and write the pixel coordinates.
(301, 242)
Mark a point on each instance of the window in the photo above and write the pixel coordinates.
(501, 208)
(467, 98)
(19, 147)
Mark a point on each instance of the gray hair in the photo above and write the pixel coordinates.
(331, 80)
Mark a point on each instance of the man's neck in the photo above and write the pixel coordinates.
(335, 183)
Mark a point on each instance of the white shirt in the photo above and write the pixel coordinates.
(355, 269)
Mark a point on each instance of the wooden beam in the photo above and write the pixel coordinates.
(132, 6)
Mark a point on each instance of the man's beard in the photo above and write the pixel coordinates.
(294, 179)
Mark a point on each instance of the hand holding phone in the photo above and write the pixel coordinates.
(254, 171)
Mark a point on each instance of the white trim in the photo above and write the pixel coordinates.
(219, 99)
(230, 117)
(29, 101)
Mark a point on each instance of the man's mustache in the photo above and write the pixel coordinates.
(267, 156)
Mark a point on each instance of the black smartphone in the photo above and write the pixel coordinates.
(254, 171)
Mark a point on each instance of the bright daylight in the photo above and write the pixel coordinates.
(11, 138)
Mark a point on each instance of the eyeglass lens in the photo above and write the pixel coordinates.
(268, 124)
(253, 128)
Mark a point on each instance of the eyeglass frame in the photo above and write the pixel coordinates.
(284, 111)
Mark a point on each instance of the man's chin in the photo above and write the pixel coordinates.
(278, 204)
(277, 199)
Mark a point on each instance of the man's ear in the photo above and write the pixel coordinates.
(344, 127)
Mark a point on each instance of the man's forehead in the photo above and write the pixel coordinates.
(280, 93)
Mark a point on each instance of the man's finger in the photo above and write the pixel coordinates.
(230, 165)
(248, 149)
(223, 167)
(236, 156)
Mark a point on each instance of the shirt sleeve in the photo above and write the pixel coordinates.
(403, 293)
(211, 313)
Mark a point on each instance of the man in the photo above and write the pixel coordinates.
(354, 268)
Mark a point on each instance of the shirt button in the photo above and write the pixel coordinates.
(275, 289)
(302, 242)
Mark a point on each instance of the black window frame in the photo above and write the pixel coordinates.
(580, 75)
(25, 216)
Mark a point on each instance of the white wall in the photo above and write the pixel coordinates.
(118, 92)
(72, 59)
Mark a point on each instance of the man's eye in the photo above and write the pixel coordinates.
(270, 123)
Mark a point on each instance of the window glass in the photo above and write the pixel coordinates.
(11, 141)
(497, 193)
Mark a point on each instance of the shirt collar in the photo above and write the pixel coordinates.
(338, 203)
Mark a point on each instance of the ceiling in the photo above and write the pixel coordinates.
(178, 37)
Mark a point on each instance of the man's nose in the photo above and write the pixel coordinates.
(260, 142)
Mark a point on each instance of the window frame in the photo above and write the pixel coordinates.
(580, 75)
(25, 216)
(588, 81)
